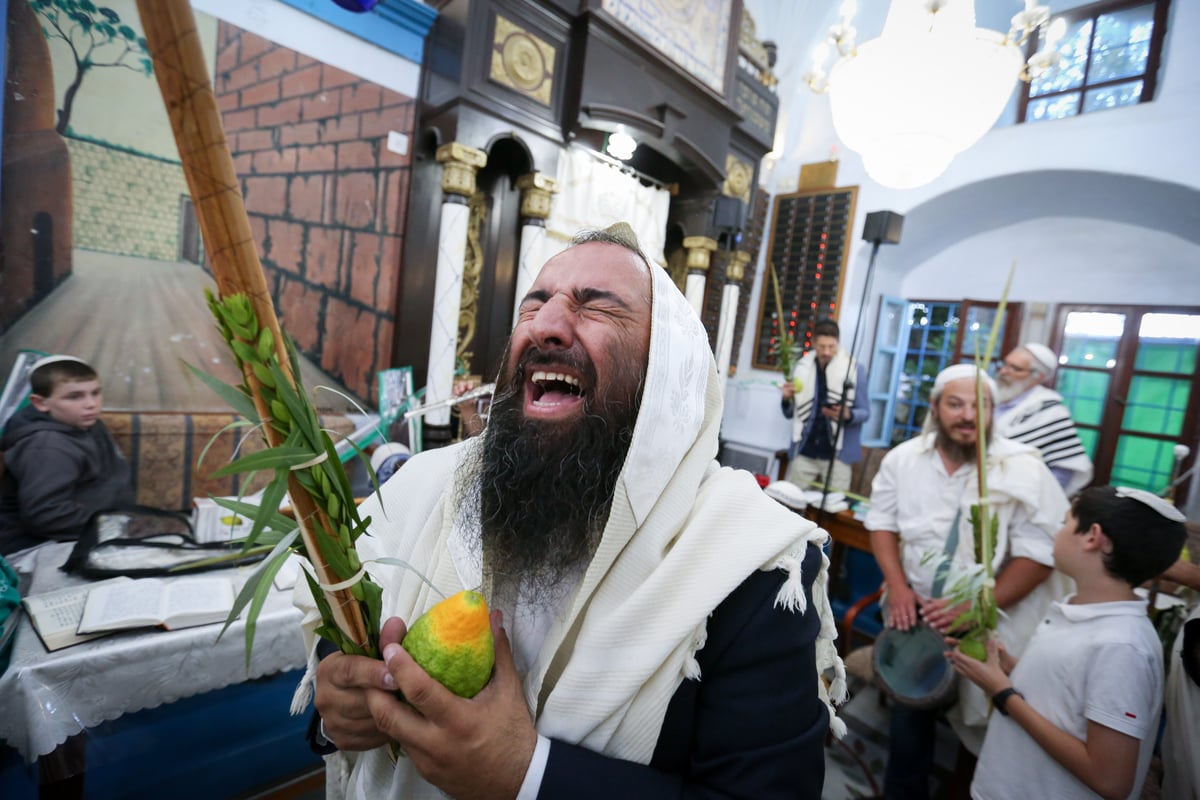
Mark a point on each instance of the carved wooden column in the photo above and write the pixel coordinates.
(734, 272)
(699, 257)
(459, 165)
(537, 192)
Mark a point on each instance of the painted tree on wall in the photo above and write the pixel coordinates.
(96, 38)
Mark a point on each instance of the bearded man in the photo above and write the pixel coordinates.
(659, 632)
(1031, 413)
(921, 535)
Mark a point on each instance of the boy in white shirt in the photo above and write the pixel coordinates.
(1077, 717)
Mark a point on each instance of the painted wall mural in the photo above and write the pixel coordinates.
(101, 252)
(692, 33)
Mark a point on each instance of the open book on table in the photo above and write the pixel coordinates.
(55, 615)
(165, 602)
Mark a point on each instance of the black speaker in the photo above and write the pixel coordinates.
(883, 227)
(727, 213)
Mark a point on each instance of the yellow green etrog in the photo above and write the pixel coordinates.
(453, 642)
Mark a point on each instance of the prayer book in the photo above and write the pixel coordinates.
(168, 603)
(55, 615)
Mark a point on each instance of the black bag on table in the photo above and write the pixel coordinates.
(145, 542)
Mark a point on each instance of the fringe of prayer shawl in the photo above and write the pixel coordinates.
(791, 597)
(305, 689)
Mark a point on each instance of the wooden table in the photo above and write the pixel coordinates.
(844, 528)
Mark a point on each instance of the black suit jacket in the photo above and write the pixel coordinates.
(752, 726)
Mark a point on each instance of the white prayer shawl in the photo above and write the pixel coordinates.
(681, 535)
(836, 371)
(1042, 420)
(1181, 737)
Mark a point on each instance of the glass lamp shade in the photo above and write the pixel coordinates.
(917, 96)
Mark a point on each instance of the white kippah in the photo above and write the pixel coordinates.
(956, 373)
(1043, 356)
(44, 361)
(1154, 501)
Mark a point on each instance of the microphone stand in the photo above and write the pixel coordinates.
(840, 423)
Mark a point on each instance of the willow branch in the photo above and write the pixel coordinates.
(183, 79)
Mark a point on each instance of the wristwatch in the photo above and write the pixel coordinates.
(1000, 699)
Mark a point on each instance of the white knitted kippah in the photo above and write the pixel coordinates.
(956, 373)
(1160, 505)
(1043, 356)
(46, 360)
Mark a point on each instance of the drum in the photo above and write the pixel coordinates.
(911, 667)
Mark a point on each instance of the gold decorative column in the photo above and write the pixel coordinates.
(734, 273)
(459, 165)
(537, 193)
(699, 257)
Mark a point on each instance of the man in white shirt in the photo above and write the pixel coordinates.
(920, 511)
(1031, 413)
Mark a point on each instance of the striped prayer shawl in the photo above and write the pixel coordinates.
(839, 367)
(1042, 420)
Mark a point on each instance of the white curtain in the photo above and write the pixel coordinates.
(593, 194)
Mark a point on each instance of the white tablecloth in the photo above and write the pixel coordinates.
(46, 697)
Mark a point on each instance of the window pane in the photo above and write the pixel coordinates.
(1168, 343)
(1084, 393)
(1091, 338)
(1156, 405)
(1073, 55)
(880, 377)
(1124, 94)
(1060, 106)
(977, 329)
(1089, 438)
(890, 324)
(1122, 44)
(1143, 463)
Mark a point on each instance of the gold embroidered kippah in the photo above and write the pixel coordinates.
(622, 231)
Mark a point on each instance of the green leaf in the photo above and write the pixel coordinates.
(258, 582)
(303, 417)
(271, 458)
(275, 520)
(272, 496)
(396, 562)
(227, 558)
(237, 399)
(237, 423)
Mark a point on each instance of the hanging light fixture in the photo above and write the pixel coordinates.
(929, 87)
(620, 145)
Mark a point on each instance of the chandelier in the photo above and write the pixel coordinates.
(929, 87)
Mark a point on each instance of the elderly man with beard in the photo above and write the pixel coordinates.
(660, 624)
(1031, 413)
(920, 513)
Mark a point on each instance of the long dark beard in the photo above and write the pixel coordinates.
(956, 452)
(545, 489)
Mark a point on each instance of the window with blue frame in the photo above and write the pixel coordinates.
(914, 341)
(932, 332)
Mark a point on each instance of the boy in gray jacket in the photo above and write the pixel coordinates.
(60, 464)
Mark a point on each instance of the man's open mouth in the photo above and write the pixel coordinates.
(549, 389)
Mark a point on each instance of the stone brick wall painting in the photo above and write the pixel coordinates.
(325, 195)
(126, 203)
